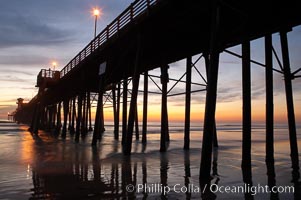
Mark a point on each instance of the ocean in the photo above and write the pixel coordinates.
(48, 167)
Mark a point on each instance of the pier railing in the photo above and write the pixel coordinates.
(125, 18)
(47, 75)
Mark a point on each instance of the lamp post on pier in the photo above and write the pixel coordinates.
(96, 13)
(54, 64)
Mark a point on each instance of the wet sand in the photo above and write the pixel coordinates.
(46, 167)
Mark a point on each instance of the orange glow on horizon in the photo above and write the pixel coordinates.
(225, 113)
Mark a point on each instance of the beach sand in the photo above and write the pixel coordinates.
(48, 167)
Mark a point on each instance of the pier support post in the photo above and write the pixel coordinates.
(83, 122)
(269, 158)
(89, 112)
(116, 102)
(164, 114)
(79, 116)
(187, 104)
(72, 130)
(289, 101)
(145, 100)
(210, 97)
(69, 114)
(137, 123)
(124, 110)
(31, 128)
(133, 104)
(50, 119)
(66, 112)
(132, 114)
(55, 110)
(58, 119)
(207, 62)
(246, 107)
(42, 118)
(54, 115)
(118, 110)
(99, 124)
(46, 118)
(36, 118)
(115, 114)
(269, 99)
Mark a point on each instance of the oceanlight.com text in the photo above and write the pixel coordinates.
(157, 188)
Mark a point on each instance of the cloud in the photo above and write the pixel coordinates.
(259, 94)
(179, 101)
(7, 100)
(10, 78)
(21, 60)
(17, 30)
(12, 71)
(44, 23)
(236, 62)
(28, 88)
(231, 96)
(4, 106)
(7, 87)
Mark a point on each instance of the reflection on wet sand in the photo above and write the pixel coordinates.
(44, 166)
(247, 179)
(208, 187)
(66, 170)
(187, 173)
(80, 180)
(164, 166)
(271, 178)
(73, 173)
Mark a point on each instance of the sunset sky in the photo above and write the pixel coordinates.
(34, 33)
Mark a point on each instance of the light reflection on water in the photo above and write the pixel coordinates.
(45, 167)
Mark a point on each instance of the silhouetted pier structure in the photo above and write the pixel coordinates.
(152, 34)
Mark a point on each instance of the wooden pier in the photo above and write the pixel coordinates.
(151, 34)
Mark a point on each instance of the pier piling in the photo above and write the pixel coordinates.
(124, 110)
(269, 99)
(187, 103)
(84, 114)
(79, 117)
(66, 112)
(89, 112)
(246, 108)
(289, 100)
(133, 104)
(72, 129)
(99, 124)
(164, 113)
(210, 96)
(145, 101)
(58, 119)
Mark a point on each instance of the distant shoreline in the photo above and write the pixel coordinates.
(2, 121)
